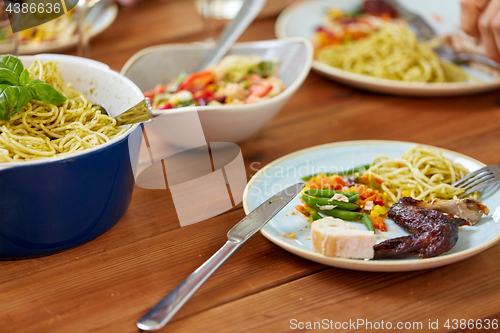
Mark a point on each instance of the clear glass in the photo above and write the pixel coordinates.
(219, 9)
(83, 46)
(212, 10)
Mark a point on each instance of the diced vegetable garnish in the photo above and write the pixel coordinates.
(332, 196)
(237, 79)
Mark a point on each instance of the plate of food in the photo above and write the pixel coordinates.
(373, 48)
(61, 34)
(378, 206)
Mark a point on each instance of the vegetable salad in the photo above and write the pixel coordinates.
(342, 28)
(331, 195)
(236, 79)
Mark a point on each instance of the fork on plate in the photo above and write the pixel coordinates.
(426, 32)
(479, 179)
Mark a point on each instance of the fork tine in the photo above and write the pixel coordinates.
(476, 181)
(478, 187)
(470, 175)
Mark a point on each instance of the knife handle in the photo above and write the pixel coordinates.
(162, 312)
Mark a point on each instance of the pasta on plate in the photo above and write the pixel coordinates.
(420, 173)
(375, 41)
(393, 52)
(44, 130)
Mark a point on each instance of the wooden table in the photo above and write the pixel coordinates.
(108, 283)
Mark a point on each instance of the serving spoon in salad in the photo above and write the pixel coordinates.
(232, 31)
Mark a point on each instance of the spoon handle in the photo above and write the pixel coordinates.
(232, 31)
(162, 312)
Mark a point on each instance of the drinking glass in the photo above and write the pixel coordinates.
(83, 45)
(212, 10)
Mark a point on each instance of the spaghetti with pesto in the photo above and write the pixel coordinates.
(392, 52)
(44, 130)
(420, 173)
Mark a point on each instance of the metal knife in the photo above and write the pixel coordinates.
(162, 312)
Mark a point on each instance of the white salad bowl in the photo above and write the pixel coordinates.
(225, 123)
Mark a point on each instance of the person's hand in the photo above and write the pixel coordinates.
(481, 19)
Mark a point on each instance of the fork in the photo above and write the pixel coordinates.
(426, 32)
(479, 179)
(446, 53)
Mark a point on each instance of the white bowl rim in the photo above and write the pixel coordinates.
(235, 107)
(115, 140)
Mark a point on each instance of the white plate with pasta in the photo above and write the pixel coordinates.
(61, 34)
(343, 156)
(302, 20)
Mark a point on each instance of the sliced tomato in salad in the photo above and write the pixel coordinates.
(259, 91)
(203, 97)
(165, 106)
(197, 81)
(159, 89)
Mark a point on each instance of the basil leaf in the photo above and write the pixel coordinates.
(12, 100)
(24, 78)
(45, 92)
(11, 62)
(7, 76)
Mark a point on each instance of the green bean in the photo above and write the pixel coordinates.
(359, 169)
(367, 222)
(317, 216)
(342, 214)
(352, 196)
(315, 202)
(339, 213)
(350, 216)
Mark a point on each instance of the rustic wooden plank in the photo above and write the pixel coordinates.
(460, 291)
(115, 278)
(108, 283)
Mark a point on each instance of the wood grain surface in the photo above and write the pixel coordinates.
(108, 283)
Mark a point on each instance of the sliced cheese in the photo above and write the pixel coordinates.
(336, 238)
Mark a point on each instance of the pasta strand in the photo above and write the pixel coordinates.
(44, 130)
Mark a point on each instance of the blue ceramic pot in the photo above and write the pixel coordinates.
(49, 207)
(53, 204)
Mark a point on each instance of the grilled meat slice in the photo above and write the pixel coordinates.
(432, 232)
(468, 209)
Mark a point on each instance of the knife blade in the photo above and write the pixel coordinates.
(162, 312)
